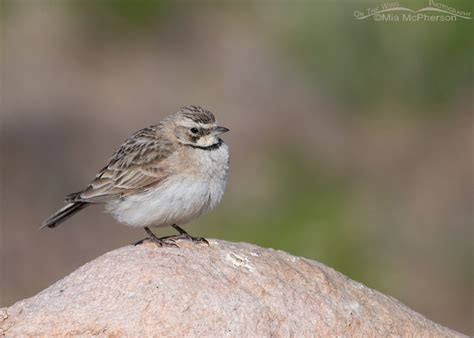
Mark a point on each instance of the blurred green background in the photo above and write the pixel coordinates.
(351, 140)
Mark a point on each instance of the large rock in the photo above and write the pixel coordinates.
(225, 289)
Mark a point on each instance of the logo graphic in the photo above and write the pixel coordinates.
(392, 11)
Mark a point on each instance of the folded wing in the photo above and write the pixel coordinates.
(134, 167)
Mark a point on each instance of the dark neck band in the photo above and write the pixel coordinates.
(209, 148)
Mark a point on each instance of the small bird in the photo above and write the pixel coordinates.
(163, 175)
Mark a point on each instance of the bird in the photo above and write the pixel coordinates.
(163, 175)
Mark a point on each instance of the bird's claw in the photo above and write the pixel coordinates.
(161, 242)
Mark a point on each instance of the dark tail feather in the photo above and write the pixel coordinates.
(63, 214)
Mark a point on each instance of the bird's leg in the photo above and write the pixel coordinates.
(165, 241)
(184, 235)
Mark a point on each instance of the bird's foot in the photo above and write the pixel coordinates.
(184, 235)
(188, 237)
(170, 241)
(161, 242)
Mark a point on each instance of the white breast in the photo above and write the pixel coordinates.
(181, 197)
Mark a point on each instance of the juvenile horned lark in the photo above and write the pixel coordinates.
(163, 175)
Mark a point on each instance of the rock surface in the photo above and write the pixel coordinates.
(225, 289)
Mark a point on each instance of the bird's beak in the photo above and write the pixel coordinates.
(219, 130)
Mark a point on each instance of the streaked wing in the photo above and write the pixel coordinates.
(135, 166)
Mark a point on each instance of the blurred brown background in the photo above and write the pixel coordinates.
(351, 140)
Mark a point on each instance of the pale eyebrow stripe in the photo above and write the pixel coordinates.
(201, 125)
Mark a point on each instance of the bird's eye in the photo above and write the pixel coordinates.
(194, 130)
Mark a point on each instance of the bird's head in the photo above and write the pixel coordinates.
(197, 127)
